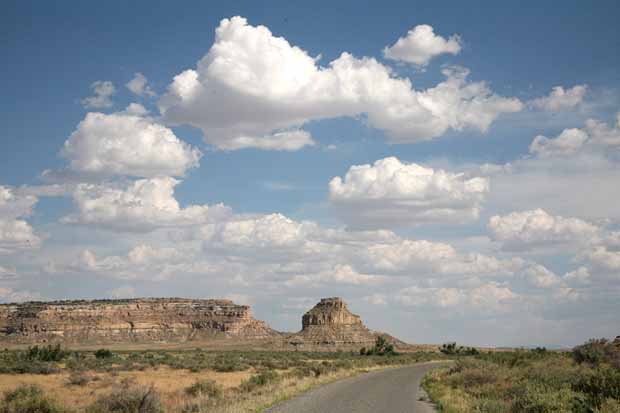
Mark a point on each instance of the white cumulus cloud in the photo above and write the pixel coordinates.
(143, 205)
(16, 234)
(252, 85)
(527, 229)
(393, 193)
(420, 45)
(560, 98)
(124, 143)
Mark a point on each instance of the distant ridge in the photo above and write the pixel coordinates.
(329, 325)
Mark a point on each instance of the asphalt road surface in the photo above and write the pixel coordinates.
(387, 391)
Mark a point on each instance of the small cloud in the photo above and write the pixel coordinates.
(422, 44)
(139, 85)
(560, 99)
(103, 91)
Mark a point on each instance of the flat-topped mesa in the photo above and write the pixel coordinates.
(142, 319)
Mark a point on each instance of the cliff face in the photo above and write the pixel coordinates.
(330, 311)
(149, 319)
(330, 323)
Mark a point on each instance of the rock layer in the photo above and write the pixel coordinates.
(146, 319)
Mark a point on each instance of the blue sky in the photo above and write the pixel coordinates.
(489, 196)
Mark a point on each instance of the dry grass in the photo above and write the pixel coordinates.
(246, 381)
(170, 383)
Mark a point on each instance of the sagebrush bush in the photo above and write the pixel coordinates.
(205, 388)
(45, 353)
(532, 398)
(128, 400)
(597, 351)
(381, 348)
(28, 399)
(259, 380)
(79, 378)
(227, 365)
(599, 385)
(452, 349)
(530, 381)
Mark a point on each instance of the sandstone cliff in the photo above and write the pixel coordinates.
(146, 319)
(330, 323)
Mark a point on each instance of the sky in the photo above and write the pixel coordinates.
(450, 170)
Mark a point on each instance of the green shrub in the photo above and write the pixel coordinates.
(205, 388)
(28, 367)
(128, 400)
(228, 365)
(103, 353)
(451, 349)
(28, 399)
(45, 353)
(532, 398)
(448, 348)
(259, 380)
(597, 351)
(599, 385)
(381, 348)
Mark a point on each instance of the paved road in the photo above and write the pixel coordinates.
(387, 391)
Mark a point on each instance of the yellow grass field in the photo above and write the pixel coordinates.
(169, 383)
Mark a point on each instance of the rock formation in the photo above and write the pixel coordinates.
(330, 323)
(131, 320)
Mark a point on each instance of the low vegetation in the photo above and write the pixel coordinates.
(536, 381)
(28, 399)
(452, 349)
(53, 379)
(381, 348)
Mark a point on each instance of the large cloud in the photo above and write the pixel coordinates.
(575, 174)
(16, 234)
(420, 45)
(126, 143)
(143, 205)
(277, 239)
(528, 229)
(392, 193)
(252, 84)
